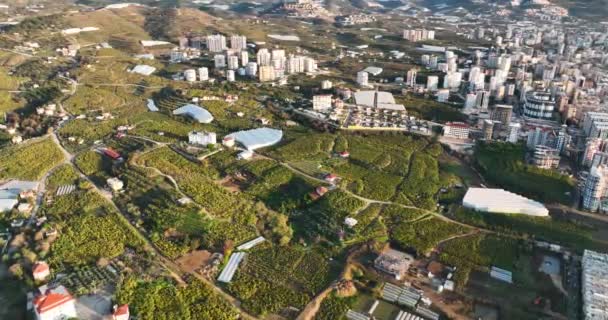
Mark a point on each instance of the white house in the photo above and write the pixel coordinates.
(115, 184)
(202, 138)
(56, 303)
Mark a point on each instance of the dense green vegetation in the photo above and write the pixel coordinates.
(424, 234)
(429, 109)
(90, 229)
(235, 217)
(333, 307)
(381, 166)
(62, 175)
(274, 278)
(565, 233)
(503, 164)
(29, 161)
(163, 300)
(326, 216)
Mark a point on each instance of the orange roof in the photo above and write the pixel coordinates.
(51, 301)
(122, 310)
(321, 190)
(40, 267)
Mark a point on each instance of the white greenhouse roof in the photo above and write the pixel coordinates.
(7, 204)
(152, 43)
(373, 70)
(501, 201)
(143, 69)
(380, 99)
(257, 138)
(19, 184)
(250, 244)
(152, 106)
(231, 266)
(197, 113)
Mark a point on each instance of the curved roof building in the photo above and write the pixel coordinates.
(257, 138)
(195, 112)
(501, 201)
(539, 105)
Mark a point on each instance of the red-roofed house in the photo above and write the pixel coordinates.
(331, 178)
(121, 313)
(55, 304)
(344, 154)
(41, 271)
(321, 191)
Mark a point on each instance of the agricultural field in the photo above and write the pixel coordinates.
(162, 299)
(30, 160)
(380, 167)
(334, 307)
(324, 218)
(62, 175)
(90, 229)
(424, 234)
(274, 278)
(234, 216)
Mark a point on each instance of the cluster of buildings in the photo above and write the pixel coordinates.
(354, 19)
(234, 60)
(415, 35)
(540, 83)
(594, 286)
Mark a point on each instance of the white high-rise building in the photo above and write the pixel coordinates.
(594, 286)
(483, 100)
(452, 80)
(310, 65)
(513, 136)
(279, 59)
(410, 78)
(219, 61)
(233, 62)
(190, 75)
(267, 73)
(362, 78)
(474, 73)
(595, 188)
(443, 95)
(470, 102)
(264, 58)
(244, 56)
(216, 43)
(238, 42)
(414, 35)
(432, 83)
(230, 76)
(203, 74)
(294, 64)
(251, 69)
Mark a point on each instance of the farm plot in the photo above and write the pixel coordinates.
(275, 278)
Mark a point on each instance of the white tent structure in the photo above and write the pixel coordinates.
(195, 112)
(257, 138)
(501, 201)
